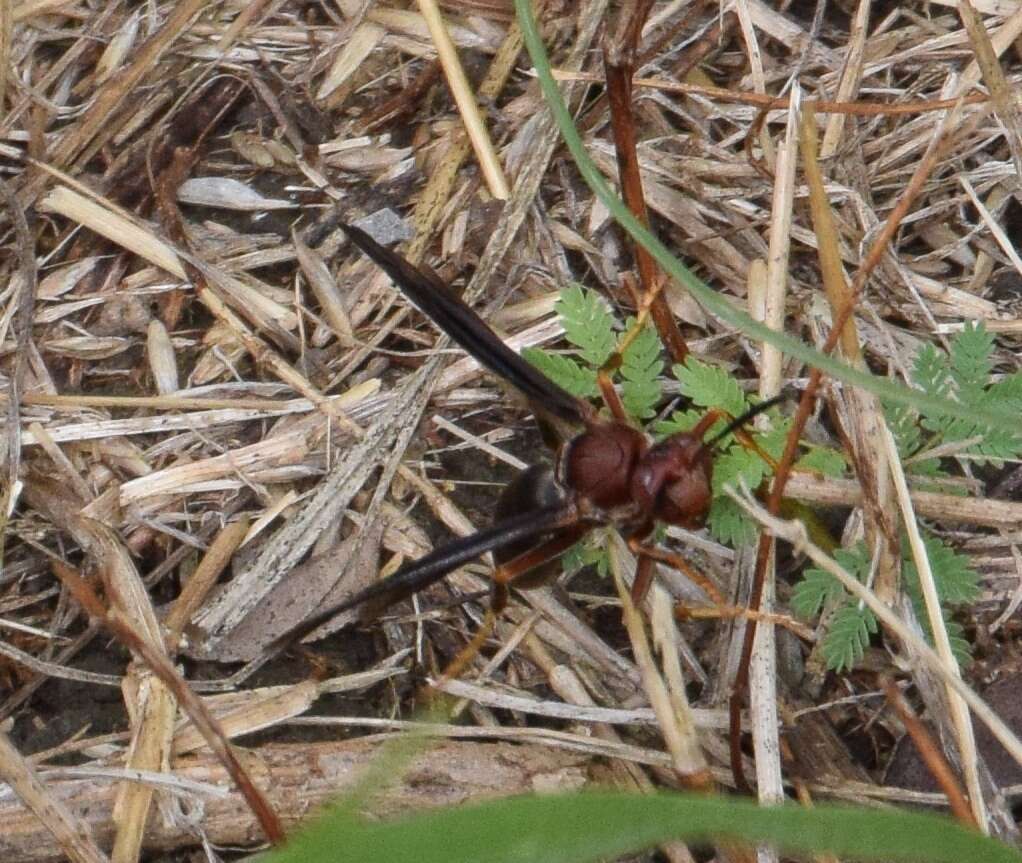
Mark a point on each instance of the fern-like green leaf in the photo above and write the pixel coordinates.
(1008, 390)
(729, 524)
(849, 628)
(930, 372)
(998, 444)
(736, 465)
(904, 425)
(957, 583)
(640, 398)
(564, 371)
(829, 462)
(930, 468)
(727, 521)
(587, 324)
(848, 636)
(963, 375)
(960, 646)
(585, 553)
(710, 387)
(641, 368)
(682, 421)
(816, 590)
(987, 444)
(772, 442)
(971, 350)
(854, 560)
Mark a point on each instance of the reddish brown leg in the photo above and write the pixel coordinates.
(504, 577)
(709, 418)
(603, 376)
(643, 577)
(744, 438)
(721, 612)
(610, 397)
(651, 553)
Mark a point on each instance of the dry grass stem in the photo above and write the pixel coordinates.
(960, 718)
(74, 838)
(677, 728)
(113, 226)
(219, 417)
(489, 164)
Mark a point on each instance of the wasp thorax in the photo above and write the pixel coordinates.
(673, 481)
(598, 463)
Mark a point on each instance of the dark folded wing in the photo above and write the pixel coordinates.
(421, 573)
(440, 304)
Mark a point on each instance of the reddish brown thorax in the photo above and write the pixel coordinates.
(673, 480)
(611, 466)
(598, 464)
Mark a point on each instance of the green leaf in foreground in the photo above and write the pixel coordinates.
(600, 825)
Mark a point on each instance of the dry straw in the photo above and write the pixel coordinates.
(217, 406)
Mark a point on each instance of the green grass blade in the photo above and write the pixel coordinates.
(601, 825)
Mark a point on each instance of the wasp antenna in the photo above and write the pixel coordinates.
(738, 422)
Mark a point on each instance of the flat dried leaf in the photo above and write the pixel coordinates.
(117, 50)
(307, 588)
(88, 347)
(63, 279)
(360, 44)
(162, 359)
(112, 225)
(228, 194)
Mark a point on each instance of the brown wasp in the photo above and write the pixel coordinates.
(608, 473)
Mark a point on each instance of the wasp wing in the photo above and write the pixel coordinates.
(421, 573)
(449, 312)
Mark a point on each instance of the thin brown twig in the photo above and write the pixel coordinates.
(931, 754)
(619, 66)
(860, 107)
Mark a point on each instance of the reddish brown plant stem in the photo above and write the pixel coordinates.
(619, 65)
(931, 754)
